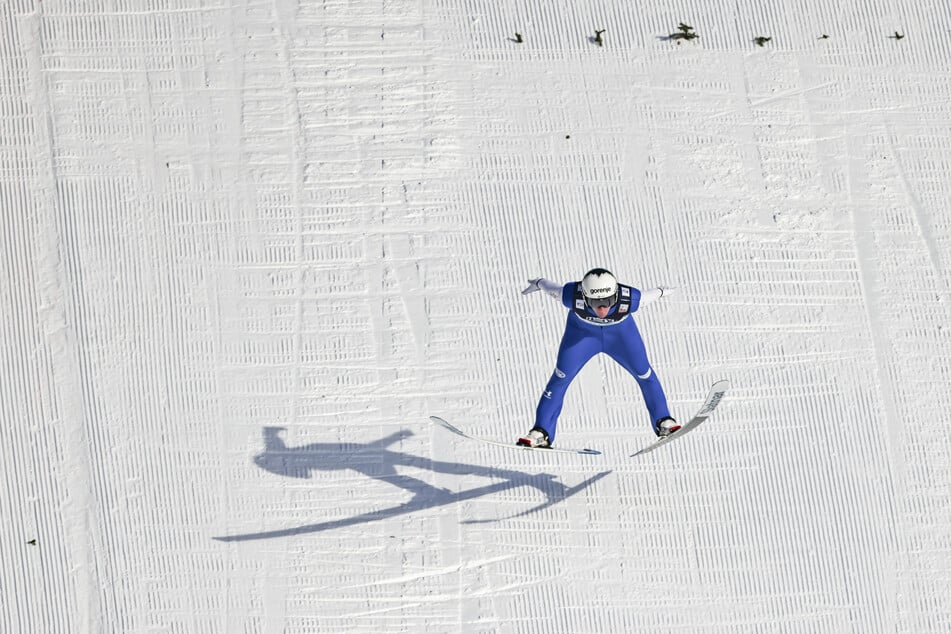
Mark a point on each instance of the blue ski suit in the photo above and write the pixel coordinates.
(585, 336)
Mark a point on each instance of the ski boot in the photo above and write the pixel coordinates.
(536, 438)
(666, 426)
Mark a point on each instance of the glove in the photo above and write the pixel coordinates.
(651, 295)
(532, 286)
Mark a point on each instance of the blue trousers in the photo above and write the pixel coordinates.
(581, 341)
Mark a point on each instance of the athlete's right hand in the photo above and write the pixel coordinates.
(532, 286)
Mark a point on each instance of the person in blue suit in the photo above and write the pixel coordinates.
(599, 320)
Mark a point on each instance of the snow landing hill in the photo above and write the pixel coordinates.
(248, 248)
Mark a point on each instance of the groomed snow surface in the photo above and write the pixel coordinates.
(248, 248)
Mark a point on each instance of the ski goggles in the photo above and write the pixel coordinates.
(601, 302)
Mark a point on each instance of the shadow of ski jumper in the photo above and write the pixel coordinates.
(376, 461)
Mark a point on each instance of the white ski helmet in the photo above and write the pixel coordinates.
(599, 287)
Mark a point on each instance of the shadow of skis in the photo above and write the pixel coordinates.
(547, 503)
(416, 504)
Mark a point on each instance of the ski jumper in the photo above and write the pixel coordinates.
(586, 335)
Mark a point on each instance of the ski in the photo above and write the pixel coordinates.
(709, 404)
(449, 426)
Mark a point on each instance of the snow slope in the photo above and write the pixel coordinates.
(249, 248)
